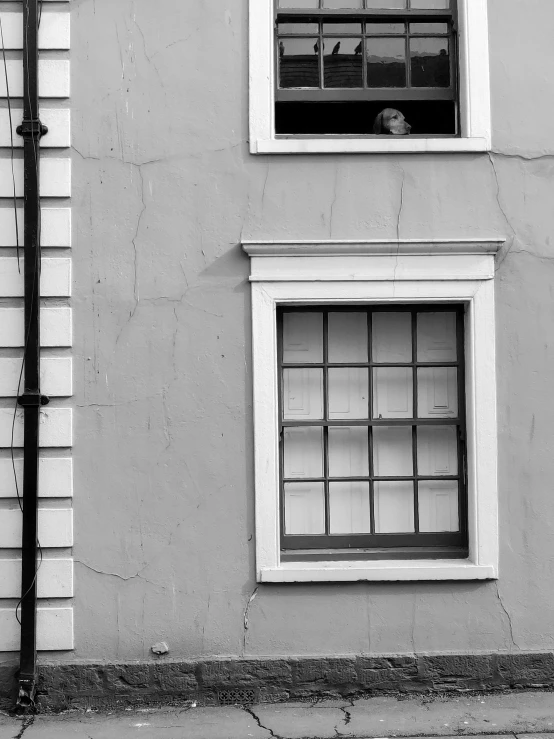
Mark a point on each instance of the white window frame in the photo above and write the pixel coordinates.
(346, 273)
(475, 115)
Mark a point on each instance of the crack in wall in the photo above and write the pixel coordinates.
(509, 247)
(246, 616)
(510, 626)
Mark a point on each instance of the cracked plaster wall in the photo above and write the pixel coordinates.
(164, 190)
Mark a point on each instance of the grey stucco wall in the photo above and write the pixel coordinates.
(164, 190)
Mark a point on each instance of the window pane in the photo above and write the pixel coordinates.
(302, 394)
(386, 62)
(348, 451)
(437, 450)
(434, 4)
(303, 451)
(347, 337)
(428, 27)
(299, 62)
(339, 28)
(437, 392)
(377, 28)
(387, 4)
(394, 507)
(430, 62)
(304, 508)
(392, 451)
(392, 392)
(343, 62)
(298, 28)
(392, 337)
(436, 337)
(348, 393)
(303, 337)
(342, 4)
(349, 508)
(299, 3)
(438, 505)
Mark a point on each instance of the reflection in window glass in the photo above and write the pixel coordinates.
(304, 508)
(298, 28)
(420, 28)
(298, 62)
(392, 337)
(343, 66)
(336, 28)
(430, 62)
(381, 28)
(303, 337)
(386, 4)
(434, 4)
(342, 4)
(386, 62)
(299, 3)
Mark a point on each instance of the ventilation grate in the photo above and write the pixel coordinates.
(234, 696)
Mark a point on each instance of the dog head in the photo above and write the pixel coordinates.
(391, 121)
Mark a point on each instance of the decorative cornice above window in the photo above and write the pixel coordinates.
(377, 247)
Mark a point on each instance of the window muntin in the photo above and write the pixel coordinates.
(339, 64)
(372, 427)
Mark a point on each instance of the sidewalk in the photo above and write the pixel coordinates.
(521, 714)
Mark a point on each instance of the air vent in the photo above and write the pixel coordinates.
(234, 696)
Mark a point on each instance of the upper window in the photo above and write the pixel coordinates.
(370, 67)
(368, 75)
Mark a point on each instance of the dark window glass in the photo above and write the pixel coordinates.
(298, 62)
(386, 62)
(343, 65)
(430, 62)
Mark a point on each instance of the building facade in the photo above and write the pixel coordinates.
(222, 230)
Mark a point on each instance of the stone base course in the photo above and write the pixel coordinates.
(271, 680)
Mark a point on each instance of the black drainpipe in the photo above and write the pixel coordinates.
(31, 130)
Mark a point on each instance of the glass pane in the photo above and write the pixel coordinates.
(348, 455)
(386, 62)
(436, 337)
(392, 392)
(299, 3)
(392, 337)
(437, 451)
(434, 4)
(298, 28)
(342, 4)
(339, 28)
(299, 62)
(348, 393)
(303, 337)
(378, 28)
(347, 337)
(304, 508)
(392, 451)
(430, 62)
(302, 394)
(428, 27)
(437, 392)
(438, 505)
(343, 65)
(349, 508)
(387, 4)
(394, 507)
(303, 452)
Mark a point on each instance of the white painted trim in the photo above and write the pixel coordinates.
(474, 94)
(55, 428)
(55, 177)
(55, 477)
(55, 277)
(374, 247)
(54, 578)
(55, 528)
(55, 228)
(54, 630)
(53, 31)
(53, 78)
(55, 376)
(448, 283)
(55, 326)
(58, 122)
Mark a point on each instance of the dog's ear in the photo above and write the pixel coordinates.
(378, 124)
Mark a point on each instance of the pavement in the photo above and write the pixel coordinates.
(510, 715)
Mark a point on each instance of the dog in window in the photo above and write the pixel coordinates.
(391, 121)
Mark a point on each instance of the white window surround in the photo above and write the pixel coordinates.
(474, 94)
(350, 272)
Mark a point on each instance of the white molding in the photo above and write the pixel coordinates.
(55, 178)
(55, 376)
(58, 121)
(54, 630)
(55, 327)
(371, 247)
(55, 528)
(53, 78)
(474, 94)
(55, 427)
(54, 578)
(448, 283)
(55, 477)
(55, 277)
(53, 31)
(55, 228)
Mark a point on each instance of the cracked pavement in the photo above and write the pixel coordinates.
(519, 715)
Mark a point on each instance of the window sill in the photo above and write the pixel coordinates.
(377, 571)
(321, 145)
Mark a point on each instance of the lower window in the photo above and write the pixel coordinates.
(372, 431)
